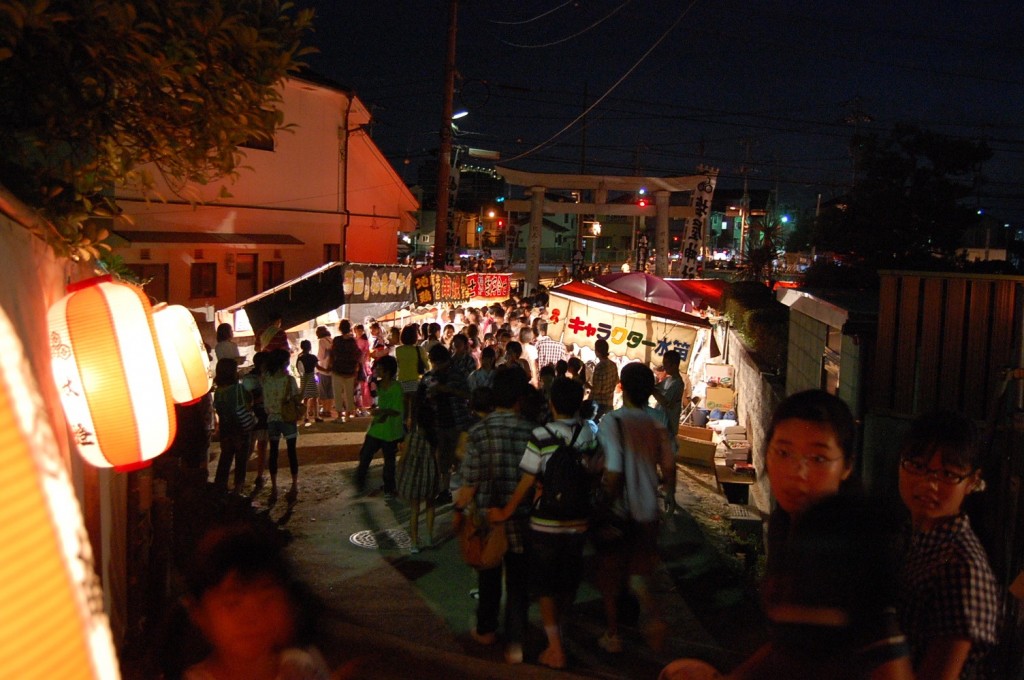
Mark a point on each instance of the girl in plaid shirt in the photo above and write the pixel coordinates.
(949, 602)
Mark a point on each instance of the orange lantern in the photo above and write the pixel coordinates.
(185, 357)
(110, 374)
(53, 624)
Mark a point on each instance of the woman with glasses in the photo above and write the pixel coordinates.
(949, 601)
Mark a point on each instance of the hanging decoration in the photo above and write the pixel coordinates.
(185, 357)
(53, 623)
(110, 374)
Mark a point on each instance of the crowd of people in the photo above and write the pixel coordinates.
(470, 411)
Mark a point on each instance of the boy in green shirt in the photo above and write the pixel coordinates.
(387, 430)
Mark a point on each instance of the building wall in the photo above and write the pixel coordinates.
(298, 189)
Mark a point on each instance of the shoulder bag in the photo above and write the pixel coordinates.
(483, 544)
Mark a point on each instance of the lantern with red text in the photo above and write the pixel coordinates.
(109, 371)
(53, 623)
(185, 357)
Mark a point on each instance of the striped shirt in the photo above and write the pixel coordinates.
(544, 441)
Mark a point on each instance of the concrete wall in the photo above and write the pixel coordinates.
(757, 395)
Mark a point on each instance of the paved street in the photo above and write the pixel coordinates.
(397, 615)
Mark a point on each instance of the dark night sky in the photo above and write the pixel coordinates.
(783, 76)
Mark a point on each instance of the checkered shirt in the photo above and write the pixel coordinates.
(549, 351)
(947, 588)
(493, 452)
(603, 382)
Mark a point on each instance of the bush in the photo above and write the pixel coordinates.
(761, 320)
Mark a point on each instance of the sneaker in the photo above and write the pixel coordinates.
(339, 419)
(414, 550)
(319, 419)
(485, 639)
(443, 498)
(514, 653)
(306, 423)
(610, 643)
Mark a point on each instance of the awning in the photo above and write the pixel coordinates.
(298, 300)
(218, 238)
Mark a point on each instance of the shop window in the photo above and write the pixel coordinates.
(273, 274)
(204, 280)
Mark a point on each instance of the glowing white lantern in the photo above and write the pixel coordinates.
(185, 357)
(53, 624)
(110, 374)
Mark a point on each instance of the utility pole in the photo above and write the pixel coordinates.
(444, 155)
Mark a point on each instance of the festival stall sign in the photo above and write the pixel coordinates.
(375, 283)
(582, 313)
(449, 287)
(375, 290)
(489, 285)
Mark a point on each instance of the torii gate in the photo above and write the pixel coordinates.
(701, 186)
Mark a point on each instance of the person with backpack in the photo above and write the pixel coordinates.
(345, 358)
(556, 462)
(636, 445)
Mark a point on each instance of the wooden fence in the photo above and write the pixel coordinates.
(944, 341)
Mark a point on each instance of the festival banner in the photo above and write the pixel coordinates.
(633, 334)
(423, 291)
(377, 283)
(489, 285)
(694, 227)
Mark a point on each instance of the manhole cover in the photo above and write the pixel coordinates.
(387, 539)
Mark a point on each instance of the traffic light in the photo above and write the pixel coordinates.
(501, 223)
(479, 227)
(642, 202)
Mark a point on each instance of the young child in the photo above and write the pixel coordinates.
(244, 600)
(229, 397)
(253, 384)
(948, 597)
(483, 376)
(387, 428)
(305, 366)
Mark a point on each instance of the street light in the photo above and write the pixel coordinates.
(595, 231)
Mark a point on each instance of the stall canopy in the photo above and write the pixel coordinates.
(366, 289)
(648, 288)
(314, 293)
(708, 291)
(582, 313)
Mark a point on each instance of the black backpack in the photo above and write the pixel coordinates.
(567, 483)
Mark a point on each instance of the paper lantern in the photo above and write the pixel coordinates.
(110, 374)
(53, 624)
(185, 357)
